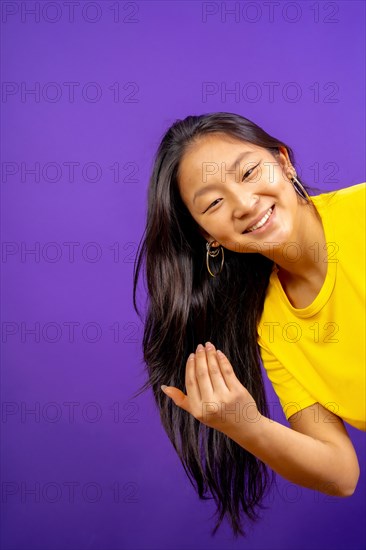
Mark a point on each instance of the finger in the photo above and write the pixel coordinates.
(214, 369)
(227, 370)
(192, 388)
(179, 398)
(202, 374)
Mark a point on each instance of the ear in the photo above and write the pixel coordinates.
(208, 237)
(204, 233)
(285, 162)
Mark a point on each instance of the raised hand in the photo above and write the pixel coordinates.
(215, 396)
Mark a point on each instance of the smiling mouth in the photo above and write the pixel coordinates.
(261, 222)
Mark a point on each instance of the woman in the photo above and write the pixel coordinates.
(241, 259)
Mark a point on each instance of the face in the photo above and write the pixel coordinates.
(240, 194)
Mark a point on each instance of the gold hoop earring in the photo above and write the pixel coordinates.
(299, 188)
(213, 254)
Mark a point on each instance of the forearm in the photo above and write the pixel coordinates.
(297, 457)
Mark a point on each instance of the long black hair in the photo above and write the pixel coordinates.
(187, 306)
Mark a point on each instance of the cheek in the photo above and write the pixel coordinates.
(218, 227)
(267, 179)
(281, 185)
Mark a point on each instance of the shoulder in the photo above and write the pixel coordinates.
(354, 194)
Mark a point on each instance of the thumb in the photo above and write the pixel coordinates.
(178, 396)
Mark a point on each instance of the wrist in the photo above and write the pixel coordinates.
(249, 429)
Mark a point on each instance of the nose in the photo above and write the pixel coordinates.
(244, 202)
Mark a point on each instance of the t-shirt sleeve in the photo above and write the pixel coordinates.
(293, 397)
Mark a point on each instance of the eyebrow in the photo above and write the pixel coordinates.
(215, 185)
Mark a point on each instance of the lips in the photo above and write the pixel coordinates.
(260, 220)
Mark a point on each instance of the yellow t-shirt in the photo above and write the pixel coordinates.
(317, 353)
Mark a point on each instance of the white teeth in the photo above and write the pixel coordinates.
(262, 221)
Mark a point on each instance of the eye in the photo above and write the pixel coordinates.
(208, 208)
(250, 171)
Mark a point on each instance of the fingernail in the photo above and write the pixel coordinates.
(209, 345)
(163, 387)
(200, 347)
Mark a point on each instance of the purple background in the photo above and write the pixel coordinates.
(170, 59)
